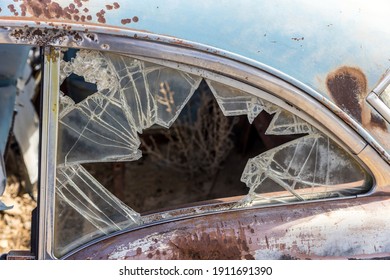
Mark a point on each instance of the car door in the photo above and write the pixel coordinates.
(308, 192)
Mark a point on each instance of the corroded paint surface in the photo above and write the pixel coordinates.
(334, 230)
(285, 40)
(77, 10)
(298, 38)
(348, 88)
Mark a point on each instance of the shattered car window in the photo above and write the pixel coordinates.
(132, 135)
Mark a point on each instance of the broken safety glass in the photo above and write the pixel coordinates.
(135, 137)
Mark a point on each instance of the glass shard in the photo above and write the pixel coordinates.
(171, 89)
(310, 167)
(89, 198)
(286, 123)
(94, 130)
(235, 102)
(132, 96)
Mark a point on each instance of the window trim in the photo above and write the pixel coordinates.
(374, 98)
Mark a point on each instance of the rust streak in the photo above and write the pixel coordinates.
(266, 241)
(209, 246)
(348, 87)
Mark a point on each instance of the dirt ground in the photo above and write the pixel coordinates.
(15, 224)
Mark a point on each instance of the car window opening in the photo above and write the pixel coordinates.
(136, 137)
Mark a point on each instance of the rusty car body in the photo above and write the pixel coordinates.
(301, 105)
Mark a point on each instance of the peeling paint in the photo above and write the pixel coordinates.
(331, 230)
(45, 36)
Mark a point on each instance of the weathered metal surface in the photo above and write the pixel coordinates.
(330, 230)
(285, 36)
(20, 255)
(348, 88)
(303, 52)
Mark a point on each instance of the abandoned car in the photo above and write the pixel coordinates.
(199, 130)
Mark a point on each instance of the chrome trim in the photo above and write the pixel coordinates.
(382, 85)
(378, 104)
(379, 168)
(48, 151)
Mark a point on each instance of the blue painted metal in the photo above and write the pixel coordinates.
(301, 41)
(304, 39)
(13, 59)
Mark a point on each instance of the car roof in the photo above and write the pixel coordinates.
(302, 39)
(331, 49)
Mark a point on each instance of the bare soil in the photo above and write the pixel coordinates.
(15, 224)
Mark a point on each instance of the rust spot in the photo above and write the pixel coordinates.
(135, 19)
(150, 255)
(376, 121)
(91, 36)
(105, 46)
(209, 246)
(78, 3)
(182, 43)
(23, 9)
(126, 21)
(44, 36)
(49, 9)
(287, 257)
(139, 251)
(100, 16)
(348, 87)
(12, 9)
(77, 37)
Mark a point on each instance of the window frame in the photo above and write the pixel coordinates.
(51, 80)
(375, 98)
